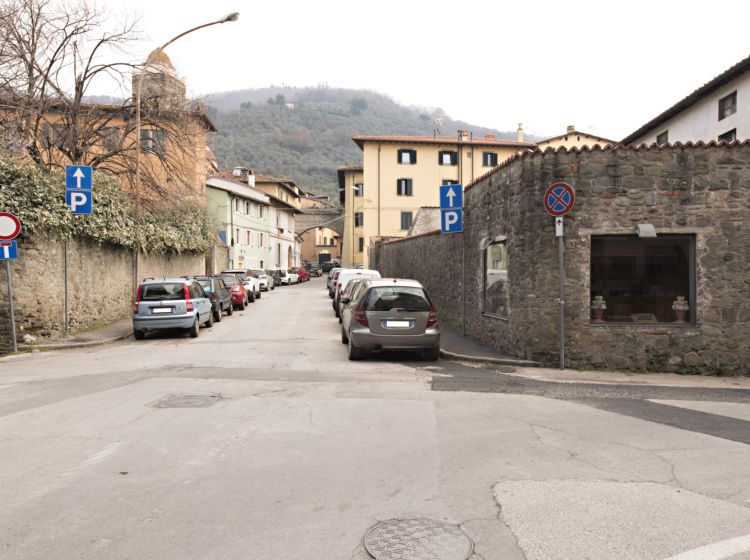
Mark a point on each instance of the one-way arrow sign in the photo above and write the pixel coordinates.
(451, 196)
(78, 177)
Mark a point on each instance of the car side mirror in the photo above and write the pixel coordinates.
(345, 300)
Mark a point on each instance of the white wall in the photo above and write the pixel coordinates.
(285, 240)
(701, 120)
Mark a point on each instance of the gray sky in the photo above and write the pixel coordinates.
(606, 67)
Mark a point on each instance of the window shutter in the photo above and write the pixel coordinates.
(414, 156)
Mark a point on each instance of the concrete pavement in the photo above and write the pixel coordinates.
(294, 452)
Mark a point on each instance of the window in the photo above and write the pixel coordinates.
(662, 138)
(406, 219)
(360, 244)
(261, 242)
(154, 140)
(54, 135)
(447, 158)
(359, 219)
(261, 211)
(247, 208)
(359, 189)
(640, 279)
(111, 138)
(404, 187)
(249, 238)
(449, 182)
(728, 105)
(496, 293)
(728, 136)
(236, 236)
(407, 156)
(489, 159)
(411, 300)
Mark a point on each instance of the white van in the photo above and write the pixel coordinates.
(345, 276)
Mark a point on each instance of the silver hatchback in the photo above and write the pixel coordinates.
(389, 314)
(171, 303)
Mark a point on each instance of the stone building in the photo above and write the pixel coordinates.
(659, 235)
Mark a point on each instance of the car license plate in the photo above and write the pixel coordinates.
(161, 310)
(398, 324)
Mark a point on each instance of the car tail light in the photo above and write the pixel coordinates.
(432, 318)
(360, 315)
(137, 299)
(188, 301)
(213, 296)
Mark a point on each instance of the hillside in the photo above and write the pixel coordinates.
(308, 142)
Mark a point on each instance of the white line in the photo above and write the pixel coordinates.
(717, 551)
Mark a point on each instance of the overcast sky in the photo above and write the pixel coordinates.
(605, 67)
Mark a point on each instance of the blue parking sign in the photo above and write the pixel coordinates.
(78, 177)
(79, 201)
(451, 220)
(8, 251)
(451, 196)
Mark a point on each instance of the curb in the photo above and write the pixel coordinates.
(488, 360)
(64, 345)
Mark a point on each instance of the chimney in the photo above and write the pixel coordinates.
(489, 137)
(571, 128)
(519, 134)
(463, 135)
(241, 173)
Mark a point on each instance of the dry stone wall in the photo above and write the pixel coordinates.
(698, 190)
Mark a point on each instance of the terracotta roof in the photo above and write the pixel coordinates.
(350, 168)
(709, 87)
(268, 179)
(445, 140)
(608, 148)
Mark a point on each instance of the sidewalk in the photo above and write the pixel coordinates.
(455, 346)
(105, 335)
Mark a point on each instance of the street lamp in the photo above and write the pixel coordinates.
(234, 16)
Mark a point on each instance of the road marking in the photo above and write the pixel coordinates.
(717, 551)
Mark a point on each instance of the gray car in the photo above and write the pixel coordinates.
(171, 303)
(389, 314)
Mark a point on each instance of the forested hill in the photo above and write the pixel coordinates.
(307, 142)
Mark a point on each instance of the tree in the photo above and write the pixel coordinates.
(50, 55)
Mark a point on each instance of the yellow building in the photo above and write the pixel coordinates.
(351, 191)
(403, 173)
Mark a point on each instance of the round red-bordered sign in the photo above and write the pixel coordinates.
(10, 226)
(558, 199)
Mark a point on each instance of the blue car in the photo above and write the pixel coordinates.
(171, 303)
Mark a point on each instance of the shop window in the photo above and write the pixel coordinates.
(728, 105)
(643, 280)
(407, 156)
(495, 291)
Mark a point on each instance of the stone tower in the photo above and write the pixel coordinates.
(162, 89)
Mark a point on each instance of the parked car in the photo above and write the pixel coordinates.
(274, 274)
(345, 276)
(265, 281)
(390, 314)
(170, 303)
(251, 284)
(304, 276)
(218, 293)
(313, 269)
(326, 267)
(236, 288)
(346, 295)
(333, 275)
(293, 275)
(284, 279)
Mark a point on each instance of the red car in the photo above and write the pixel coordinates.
(235, 287)
(304, 276)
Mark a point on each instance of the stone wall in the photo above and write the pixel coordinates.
(100, 284)
(699, 190)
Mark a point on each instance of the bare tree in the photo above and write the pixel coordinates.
(50, 55)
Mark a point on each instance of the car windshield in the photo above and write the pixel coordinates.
(205, 284)
(163, 291)
(397, 297)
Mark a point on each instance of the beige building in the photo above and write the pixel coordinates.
(351, 191)
(321, 244)
(574, 139)
(403, 173)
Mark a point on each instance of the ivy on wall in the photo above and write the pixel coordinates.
(38, 199)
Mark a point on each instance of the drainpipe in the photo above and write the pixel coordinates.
(231, 229)
(379, 146)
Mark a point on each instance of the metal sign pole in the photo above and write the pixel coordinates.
(561, 259)
(65, 283)
(10, 308)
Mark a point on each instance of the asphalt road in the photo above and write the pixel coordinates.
(260, 440)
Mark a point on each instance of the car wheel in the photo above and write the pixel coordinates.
(230, 310)
(251, 297)
(139, 335)
(210, 321)
(432, 354)
(241, 306)
(195, 329)
(257, 296)
(354, 352)
(217, 315)
(341, 320)
(344, 338)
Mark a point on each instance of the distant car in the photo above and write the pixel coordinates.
(251, 284)
(345, 276)
(171, 303)
(293, 275)
(265, 281)
(326, 267)
(333, 274)
(235, 287)
(390, 314)
(313, 269)
(304, 276)
(274, 274)
(284, 279)
(218, 293)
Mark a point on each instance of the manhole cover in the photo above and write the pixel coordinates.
(187, 401)
(417, 539)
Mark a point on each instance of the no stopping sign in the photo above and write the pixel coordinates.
(10, 226)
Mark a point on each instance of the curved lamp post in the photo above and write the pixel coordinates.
(231, 17)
